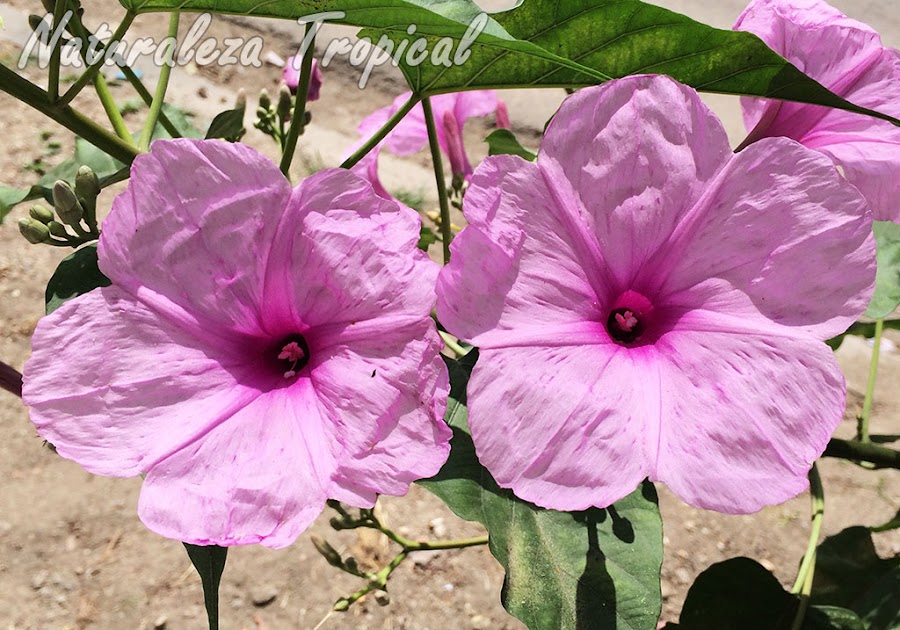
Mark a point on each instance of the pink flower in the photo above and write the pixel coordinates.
(649, 304)
(848, 58)
(451, 111)
(290, 75)
(261, 349)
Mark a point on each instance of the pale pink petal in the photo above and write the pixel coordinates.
(565, 428)
(348, 257)
(262, 477)
(410, 134)
(746, 415)
(525, 261)
(193, 225)
(817, 275)
(469, 104)
(385, 395)
(115, 387)
(638, 152)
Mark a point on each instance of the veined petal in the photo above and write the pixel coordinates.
(527, 257)
(746, 416)
(116, 388)
(386, 396)
(261, 477)
(193, 225)
(638, 152)
(779, 234)
(565, 428)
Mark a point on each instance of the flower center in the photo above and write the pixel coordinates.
(629, 317)
(294, 355)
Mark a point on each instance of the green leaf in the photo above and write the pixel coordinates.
(426, 238)
(503, 142)
(887, 277)
(570, 43)
(77, 274)
(597, 569)
(832, 618)
(9, 197)
(850, 574)
(228, 125)
(210, 564)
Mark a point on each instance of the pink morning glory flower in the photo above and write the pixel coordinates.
(849, 59)
(261, 349)
(649, 304)
(451, 111)
(290, 75)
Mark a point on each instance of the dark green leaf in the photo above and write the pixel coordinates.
(568, 43)
(9, 197)
(597, 569)
(831, 618)
(228, 125)
(210, 564)
(503, 142)
(77, 274)
(426, 238)
(737, 594)
(887, 278)
(850, 574)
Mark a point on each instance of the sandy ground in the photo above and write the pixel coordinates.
(73, 553)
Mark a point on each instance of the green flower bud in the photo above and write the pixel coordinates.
(265, 101)
(42, 214)
(48, 5)
(328, 552)
(285, 103)
(34, 231)
(34, 21)
(67, 206)
(341, 605)
(58, 229)
(241, 101)
(87, 186)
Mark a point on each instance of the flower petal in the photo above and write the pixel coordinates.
(196, 233)
(746, 416)
(526, 259)
(350, 257)
(638, 152)
(778, 234)
(564, 428)
(116, 388)
(260, 477)
(386, 397)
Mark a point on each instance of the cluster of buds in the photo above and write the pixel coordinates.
(75, 210)
(273, 118)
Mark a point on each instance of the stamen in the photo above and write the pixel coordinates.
(626, 321)
(294, 353)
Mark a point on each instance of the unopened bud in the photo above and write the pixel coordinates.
(455, 151)
(87, 186)
(328, 552)
(285, 103)
(67, 206)
(34, 21)
(58, 229)
(341, 605)
(34, 231)
(48, 5)
(265, 101)
(42, 214)
(382, 598)
(241, 101)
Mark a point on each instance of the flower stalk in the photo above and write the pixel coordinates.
(299, 114)
(443, 200)
(862, 426)
(161, 86)
(803, 584)
(370, 144)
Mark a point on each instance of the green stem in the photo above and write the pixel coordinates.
(862, 427)
(856, 451)
(55, 56)
(92, 70)
(299, 113)
(106, 98)
(817, 498)
(451, 343)
(144, 93)
(443, 200)
(380, 135)
(161, 86)
(30, 94)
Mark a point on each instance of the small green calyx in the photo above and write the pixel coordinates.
(34, 231)
(58, 229)
(42, 214)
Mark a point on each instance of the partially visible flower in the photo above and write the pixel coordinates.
(451, 111)
(649, 304)
(260, 350)
(290, 75)
(849, 59)
(502, 116)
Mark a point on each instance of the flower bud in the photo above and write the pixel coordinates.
(328, 552)
(285, 102)
(87, 186)
(502, 116)
(341, 605)
(48, 5)
(34, 231)
(58, 229)
(265, 101)
(67, 206)
(240, 102)
(455, 151)
(42, 214)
